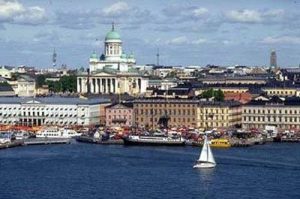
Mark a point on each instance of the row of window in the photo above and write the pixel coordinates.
(172, 119)
(166, 105)
(119, 117)
(162, 111)
(119, 111)
(270, 119)
(33, 114)
(42, 109)
(272, 111)
(282, 92)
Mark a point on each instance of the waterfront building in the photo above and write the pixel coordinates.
(119, 114)
(51, 111)
(113, 71)
(265, 111)
(194, 113)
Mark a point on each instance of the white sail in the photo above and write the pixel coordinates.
(204, 152)
(210, 158)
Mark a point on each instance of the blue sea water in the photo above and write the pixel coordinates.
(95, 171)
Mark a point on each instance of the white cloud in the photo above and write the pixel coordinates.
(116, 9)
(178, 40)
(12, 11)
(246, 16)
(254, 16)
(198, 12)
(183, 40)
(281, 40)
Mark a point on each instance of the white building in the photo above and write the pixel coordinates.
(24, 86)
(51, 111)
(113, 71)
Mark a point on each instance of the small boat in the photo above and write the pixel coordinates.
(20, 135)
(220, 143)
(206, 159)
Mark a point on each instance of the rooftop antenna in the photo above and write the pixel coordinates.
(54, 56)
(157, 57)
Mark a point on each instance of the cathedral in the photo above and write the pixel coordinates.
(113, 71)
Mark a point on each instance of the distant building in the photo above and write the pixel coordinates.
(6, 72)
(273, 59)
(120, 114)
(50, 111)
(25, 86)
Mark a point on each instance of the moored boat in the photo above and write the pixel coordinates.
(220, 143)
(153, 140)
(54, 132)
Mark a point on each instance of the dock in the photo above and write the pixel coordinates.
(12, 144)
(45, 141)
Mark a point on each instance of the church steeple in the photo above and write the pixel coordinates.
(113, 26)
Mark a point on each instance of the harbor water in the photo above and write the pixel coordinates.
(88, 171)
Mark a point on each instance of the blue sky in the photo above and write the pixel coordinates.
(186, 32)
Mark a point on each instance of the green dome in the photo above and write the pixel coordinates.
(123, 56)
(112, 35)
(94, 56)
(131, 56)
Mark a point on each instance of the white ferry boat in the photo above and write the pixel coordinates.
(154, 140)
(55, 132)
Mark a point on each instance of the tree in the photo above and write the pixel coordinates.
(218, 95)
(40, 80)
(65, 84)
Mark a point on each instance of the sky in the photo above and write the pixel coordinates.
(190, 32)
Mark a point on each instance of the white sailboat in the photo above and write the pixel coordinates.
(206, 158)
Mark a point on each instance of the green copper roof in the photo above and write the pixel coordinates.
(112, 35)
(131, 56)
(94, 56)
(123, 56)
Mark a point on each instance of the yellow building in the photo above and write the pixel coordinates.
(187, 113)
(282, 91)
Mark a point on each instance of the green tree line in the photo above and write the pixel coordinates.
(65, 83)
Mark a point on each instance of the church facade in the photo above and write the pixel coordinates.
(113, 71)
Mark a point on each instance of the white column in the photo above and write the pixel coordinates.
(106, 85)
(78, 85)
(91, 85)
(111, 86)
(97, 86)
(84, 85)
(101, 87)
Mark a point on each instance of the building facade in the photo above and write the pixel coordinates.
(187, 113)
(274, 111)
(50, 111)
(120, 114)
